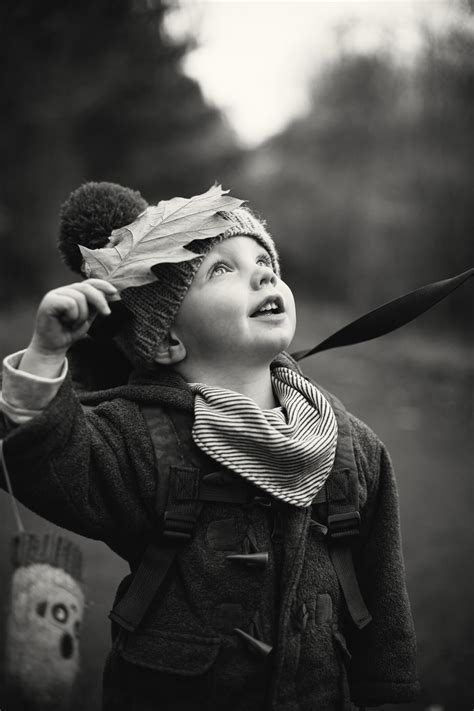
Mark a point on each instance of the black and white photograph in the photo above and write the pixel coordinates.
(237, 355)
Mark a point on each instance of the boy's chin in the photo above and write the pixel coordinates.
(266, 352)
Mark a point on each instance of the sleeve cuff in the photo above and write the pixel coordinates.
(25, 395)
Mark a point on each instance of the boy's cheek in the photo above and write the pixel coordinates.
(290, 306)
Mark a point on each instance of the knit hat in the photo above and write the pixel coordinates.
(88, 218)
(49, 548)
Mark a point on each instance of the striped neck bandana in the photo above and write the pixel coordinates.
(287, 451)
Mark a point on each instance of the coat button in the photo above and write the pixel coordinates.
(253, 643)
(264, 501)
(318, 528)
(300, 617)
(257, 560)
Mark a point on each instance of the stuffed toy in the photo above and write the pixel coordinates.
(44, 622)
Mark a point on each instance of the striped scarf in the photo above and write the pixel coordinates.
(287, 451)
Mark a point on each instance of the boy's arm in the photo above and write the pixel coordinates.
(33, 377)
(383, 666)
(25, 395)
(92, 474)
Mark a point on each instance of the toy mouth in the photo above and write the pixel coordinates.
(66, 646)
(270, 305)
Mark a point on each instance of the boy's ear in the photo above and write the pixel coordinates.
(171, 350)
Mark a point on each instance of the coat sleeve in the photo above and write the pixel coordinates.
(92, 474)
(383, 665)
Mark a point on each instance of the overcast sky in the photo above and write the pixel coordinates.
(256, 57)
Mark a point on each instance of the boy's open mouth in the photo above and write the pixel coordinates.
(270, 305)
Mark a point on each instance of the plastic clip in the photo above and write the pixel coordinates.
(178, 525)
(344, 525)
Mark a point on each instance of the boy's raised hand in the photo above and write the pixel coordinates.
(64, 316)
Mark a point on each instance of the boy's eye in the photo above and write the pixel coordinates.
(265, 260)
(219, 269)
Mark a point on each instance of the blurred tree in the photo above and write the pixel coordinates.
(321, 172)
(371, 193)
(445, 176)
(93, 91)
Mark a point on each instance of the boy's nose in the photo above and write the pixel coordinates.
(262, 276)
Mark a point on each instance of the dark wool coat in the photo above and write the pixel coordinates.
(94, 473)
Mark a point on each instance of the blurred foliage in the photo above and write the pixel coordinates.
(369, 194)
(372, 193)
(92, 91)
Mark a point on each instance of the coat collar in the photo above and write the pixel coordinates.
(163, 386)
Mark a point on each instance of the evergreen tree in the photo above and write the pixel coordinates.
(93, 91)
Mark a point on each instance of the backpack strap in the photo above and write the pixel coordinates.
(340, 499)
(179, 484)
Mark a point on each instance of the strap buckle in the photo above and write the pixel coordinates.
(178, 526)
(344, 525)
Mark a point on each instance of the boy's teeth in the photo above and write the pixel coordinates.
(268, 307)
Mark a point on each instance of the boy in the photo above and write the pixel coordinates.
(229, 481)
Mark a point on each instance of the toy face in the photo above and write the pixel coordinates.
(60, 610)
(43, 630)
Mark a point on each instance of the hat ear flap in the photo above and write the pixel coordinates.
(89, 216)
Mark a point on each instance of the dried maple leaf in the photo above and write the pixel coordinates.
(159, 235)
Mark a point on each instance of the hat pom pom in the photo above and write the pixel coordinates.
(89, 215)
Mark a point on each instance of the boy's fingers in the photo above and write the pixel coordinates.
(79, 297)
(66, 307)
(110, 291)
(95, 297)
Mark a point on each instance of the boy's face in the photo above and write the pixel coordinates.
(219, 319)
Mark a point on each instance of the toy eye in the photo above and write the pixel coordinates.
(41, 608)
(60, 613)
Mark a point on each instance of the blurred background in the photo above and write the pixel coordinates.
(350, 127)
